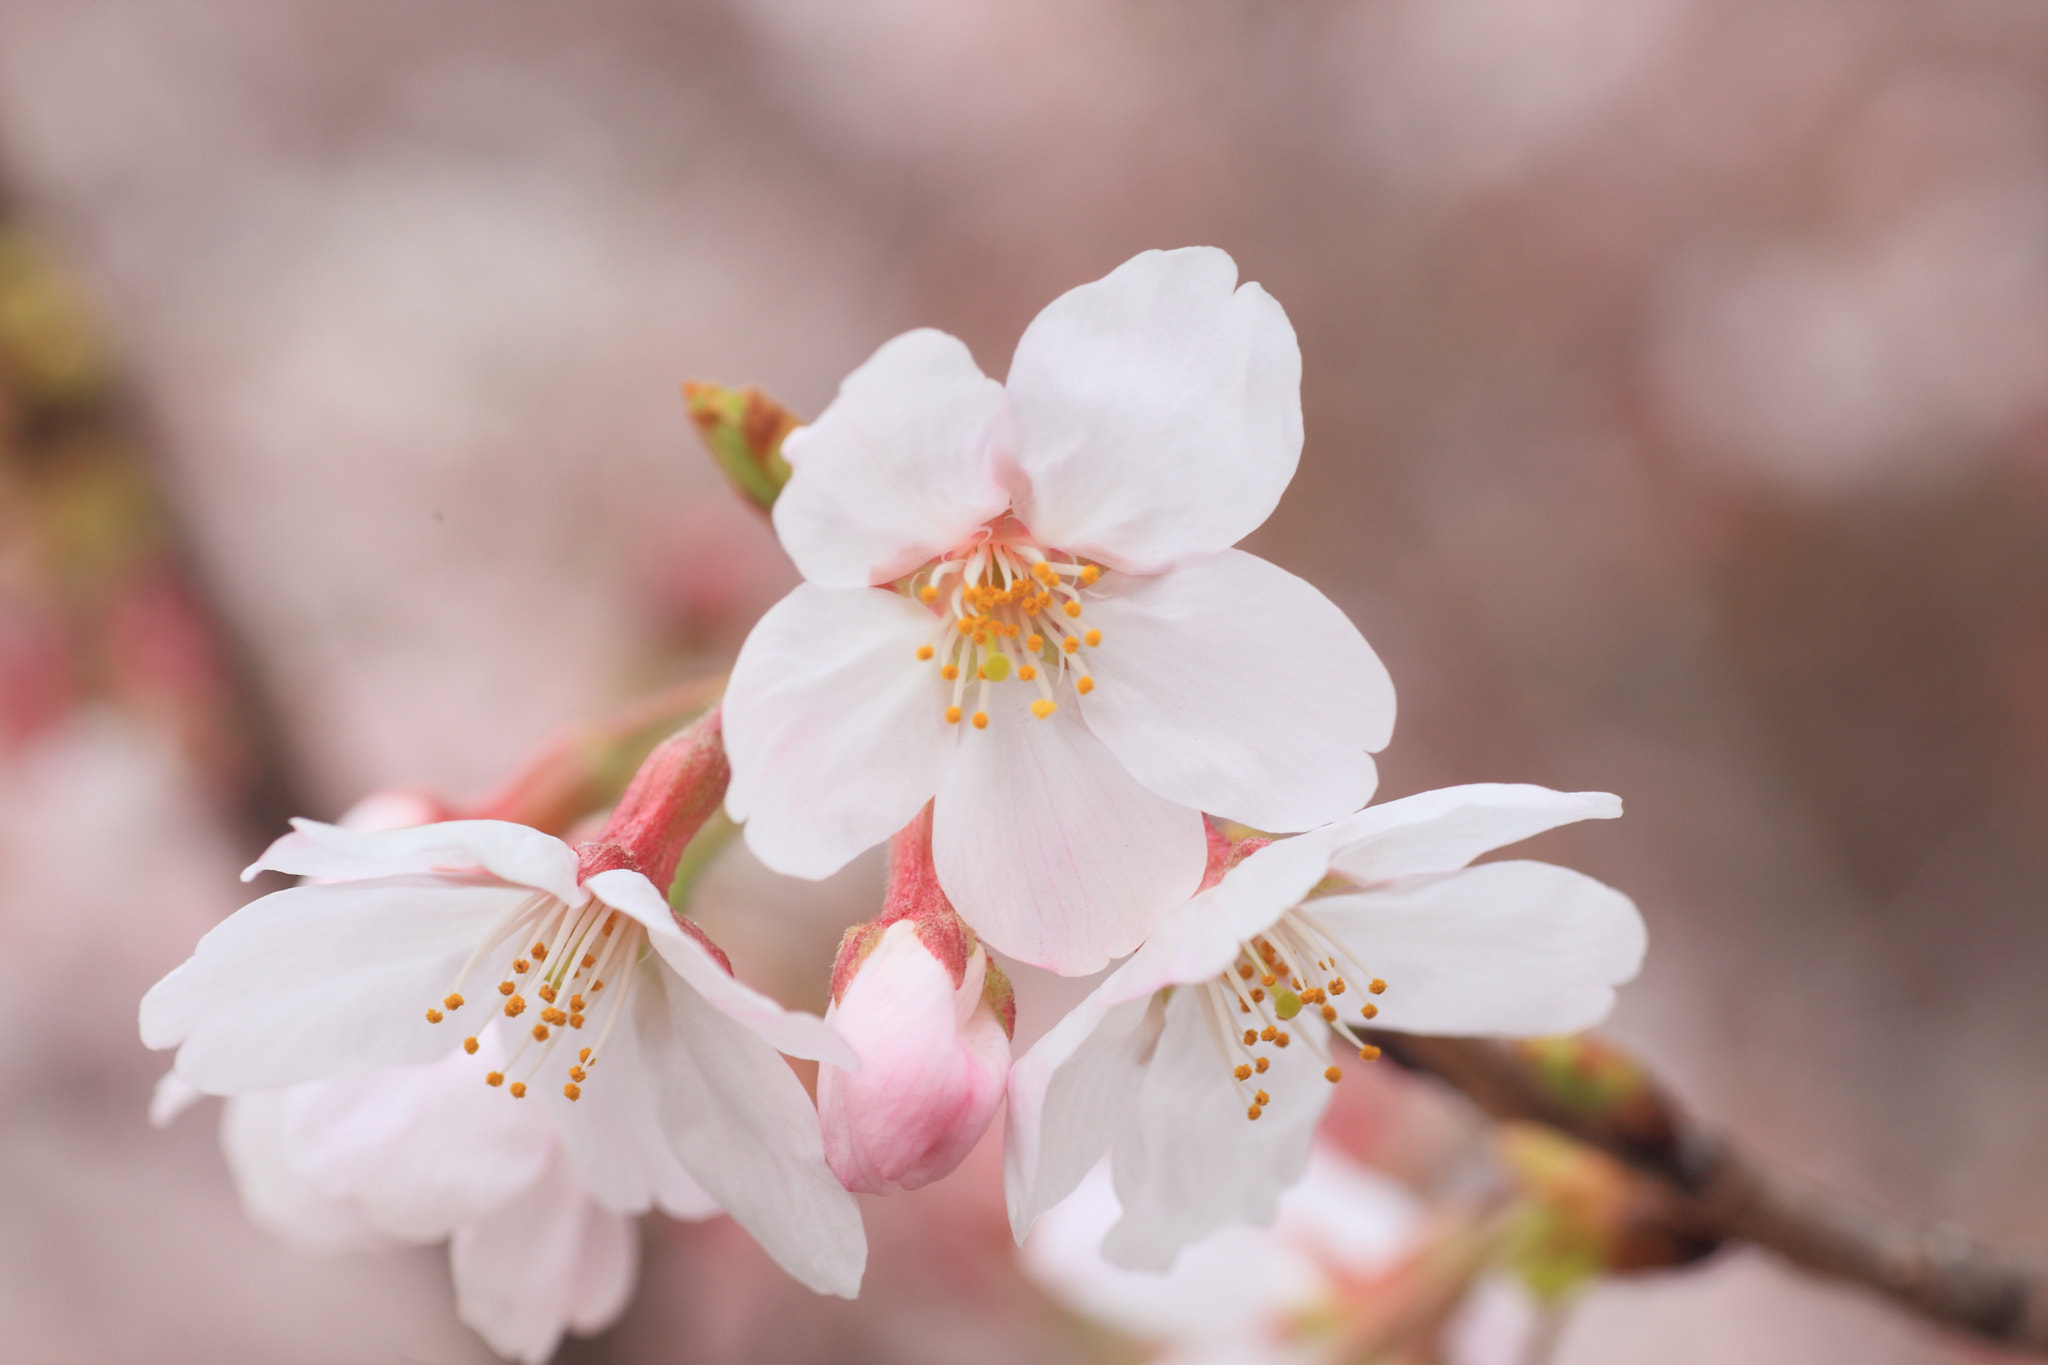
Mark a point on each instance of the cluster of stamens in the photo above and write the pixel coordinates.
(563, 956)
(1292, 967)
(1011, 611)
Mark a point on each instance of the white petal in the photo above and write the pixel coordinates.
(740, 1122)
(1234, 687)
(1439, 831)
(1158, 412)
(796, 1032)
(420, 1150)
(319, 981)
(277, 1194)
(897, 470)
(1190, 1161)
(1513, 948)
(1069, 1096)
(513, 852)
(1049, 849)
(539, 1263)
(836, 732)
(173, 1096)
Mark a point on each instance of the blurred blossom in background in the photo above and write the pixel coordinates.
(1676, 393)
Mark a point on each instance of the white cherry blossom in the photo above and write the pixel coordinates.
(1022, 599)
(1204, 1062)
(658, 1072)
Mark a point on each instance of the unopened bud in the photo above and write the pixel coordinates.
(743, 430)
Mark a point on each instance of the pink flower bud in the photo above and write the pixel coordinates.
(930, 1016)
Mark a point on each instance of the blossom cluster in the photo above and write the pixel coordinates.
(1027, 655)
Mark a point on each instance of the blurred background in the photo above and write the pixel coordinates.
(1677, 405)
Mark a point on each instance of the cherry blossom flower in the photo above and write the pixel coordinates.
(619, 1019)
(1021, 599)
(1205, 1061)
(931, 1018)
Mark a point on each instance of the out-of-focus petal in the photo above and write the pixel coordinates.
(836, 732)
(539, 1263)
(795, 1032)
(1515, 948)
(1190, 1162)
(1440, 831)
(1234, 687)
(1069, 1096)
(1157, 410)
(1050, 849)
(277, 1194)
(896, 470)
(513, 852)
(740, 1122)
(320, 981)
(173, 1096)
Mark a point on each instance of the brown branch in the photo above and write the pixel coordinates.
(1724, 1194)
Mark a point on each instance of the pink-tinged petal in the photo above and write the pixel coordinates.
(1069, 1097)
(739, 1121)
(795, 1032)
(897, 469)
(836, 732)
(515, 853)
(540, 1264)
(928, 1082)
(320, 981)
(1049, 849)
(1510, 948)
(420, 1150)
(1190, 1162)
(1234, 687)
(1157, 411)
(277, 1195)
(1440, 831)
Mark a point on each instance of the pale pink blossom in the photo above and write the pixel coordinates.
(1021, 603)
(1204, 1062)
(931, 1017)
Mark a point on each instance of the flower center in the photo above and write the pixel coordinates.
(1009, 611)
(1292, 968)
(564, 957)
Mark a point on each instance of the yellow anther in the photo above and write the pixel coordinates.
(433, 1016)
(1262, 1098)
(575, 1021)
(1072, 608)
(1281, 1039)
(1042, 571)
(469, 1045)
(1370, 1010)
(952, 715)
(453, 1002)
(1334, 1074)
(520, 965)
(1034, 642)
(927, 594)
(576, 1073)
(540, 1033)
(1070, 644)
(1251, 1035)
(554, 1016)
(504, 988)
(546, 992)
(1329, 1014)
(1378, 987)
(1368, 1053)
(980, 719)
(583, 1055)
(589, 960)
(1092, 638)
(1257, 995)
(1269, 1033)
(1044, 707)
(1090, 573)
(923, 652)
(1026, 672)
(495, 1078)
(540, 952)
(596, 986)
(575, 1003)
(1268, 979)
(1084, 684)
(1244, 969)
(514, 1007)
(519, 1090)
(573, 1091)
(1337, 985)
(1253, 1112)
(1243, 1008)
(1243, 1072)
(949, 672)
(1259, 1064)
